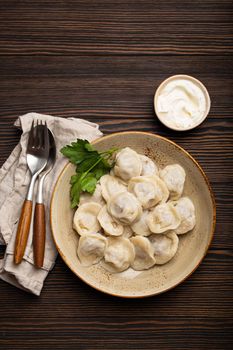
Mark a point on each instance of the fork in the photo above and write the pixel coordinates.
(37, 156)
(39, 228)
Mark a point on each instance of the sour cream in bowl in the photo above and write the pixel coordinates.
(181, 102)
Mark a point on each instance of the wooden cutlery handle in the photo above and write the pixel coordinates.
(39, 234)
(23, 231)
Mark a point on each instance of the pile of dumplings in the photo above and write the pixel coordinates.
(135, 215)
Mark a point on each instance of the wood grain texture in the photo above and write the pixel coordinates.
(116, 27)
(23, 231)
(39, 234)
(102, 60)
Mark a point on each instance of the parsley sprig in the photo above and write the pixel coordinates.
(90, 166)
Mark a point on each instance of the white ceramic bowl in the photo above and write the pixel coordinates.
(198, 84)
(192, 247)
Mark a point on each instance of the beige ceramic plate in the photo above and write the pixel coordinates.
(192, 247)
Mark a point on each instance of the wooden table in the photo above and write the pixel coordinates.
(103, 60)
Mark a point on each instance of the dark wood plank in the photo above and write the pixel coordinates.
(116, 27)
(94, 86)
(76, 317)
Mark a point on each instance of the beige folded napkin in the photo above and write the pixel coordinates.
(14, 181)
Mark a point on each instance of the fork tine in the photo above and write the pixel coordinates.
(31, 136)
(46, 137)
(37, 135)
(40, 134)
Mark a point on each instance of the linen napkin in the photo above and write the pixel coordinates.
(14, 180)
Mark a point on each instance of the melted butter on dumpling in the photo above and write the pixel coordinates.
(111, 185)
(124, 207)
(85, 218)
(148, 166)
(128, 164)
(91, 248)
(118, 255)
(174, 177)
(144, 253)
(186, 210)
(165, 246)
(149, 190)
(164, 217)
(110, 226)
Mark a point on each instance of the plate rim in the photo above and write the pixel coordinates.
(213, 218)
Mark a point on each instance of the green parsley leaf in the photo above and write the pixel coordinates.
(86, 164)
(88, 183)
(89, 147)
(75, 190)
(90, 166)
(99, 171)
(78, 151)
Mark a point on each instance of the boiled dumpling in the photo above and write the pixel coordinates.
(148, 166)
(186, 210)
(138, 227)
(174, 177)
(110, 226)
(141, 227)
(144, 253)
(149, 190)
(165, 246)
(91, 248)
(95, 197)
(128, 232)
(163, 218)
(118, 255)
(111, 185)
(124, 207)
(85, 218)
(128, 164)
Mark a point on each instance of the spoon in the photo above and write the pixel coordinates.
(39, 227)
